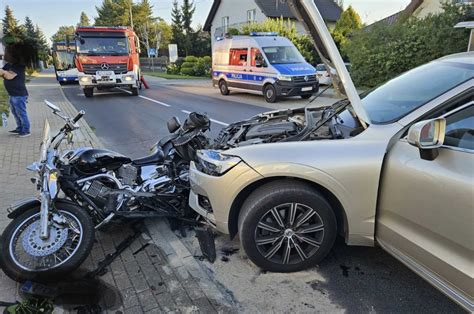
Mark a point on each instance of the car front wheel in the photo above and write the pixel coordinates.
(286, 226)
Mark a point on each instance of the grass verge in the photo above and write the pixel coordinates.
(174, 76)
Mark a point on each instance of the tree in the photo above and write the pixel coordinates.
(84, 20)
(29, 29)
(62, 33)
(187, 12)
(349, 22)
(12, 31)
(177, 27)
(114, 13)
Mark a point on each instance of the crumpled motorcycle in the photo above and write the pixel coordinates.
(86, 189)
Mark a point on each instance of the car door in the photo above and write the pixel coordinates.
(425, 214)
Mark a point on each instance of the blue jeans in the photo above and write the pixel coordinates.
(18, 107)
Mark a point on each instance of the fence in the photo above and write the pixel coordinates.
(154, 64)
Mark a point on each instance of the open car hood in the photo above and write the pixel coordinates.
(308, 14)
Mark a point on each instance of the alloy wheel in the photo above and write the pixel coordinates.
(289, 233)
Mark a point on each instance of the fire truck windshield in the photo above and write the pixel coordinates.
(100, 46)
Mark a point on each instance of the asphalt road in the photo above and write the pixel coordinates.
(131, 125)
(352, 279)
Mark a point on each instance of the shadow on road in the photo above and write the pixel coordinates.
(362, 279)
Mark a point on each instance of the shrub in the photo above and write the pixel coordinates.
(173, 69)
(203, 66)
(389, 50)
(191, 59)
(187, 71)
(187, 64)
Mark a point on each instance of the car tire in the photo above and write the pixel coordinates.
(88, 92)
(306, 96)
(306, 246)
(223, 87)
(134, 91)
(270, 93)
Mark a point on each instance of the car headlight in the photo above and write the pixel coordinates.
(284, 77)
(85, 79)
(128, 78)
(214, 163)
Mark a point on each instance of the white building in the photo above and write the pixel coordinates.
(227, 14)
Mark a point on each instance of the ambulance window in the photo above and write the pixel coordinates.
(256, 56)
(238, 57)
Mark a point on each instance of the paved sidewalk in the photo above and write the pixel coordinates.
(156, 274)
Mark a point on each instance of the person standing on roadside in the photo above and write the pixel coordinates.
(13, 74)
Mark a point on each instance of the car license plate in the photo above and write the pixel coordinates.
(306, 89)
(105, 73)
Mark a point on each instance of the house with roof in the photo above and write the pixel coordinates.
(226, 14)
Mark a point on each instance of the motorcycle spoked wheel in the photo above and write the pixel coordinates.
(25, 256)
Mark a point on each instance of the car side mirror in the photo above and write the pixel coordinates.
(428, 136)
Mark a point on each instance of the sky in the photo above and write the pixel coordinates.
(50, 14)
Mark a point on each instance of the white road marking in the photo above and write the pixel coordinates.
(219, 122)
(95, 94)
(127, 91)
(155, 101)
(166, 105)
(213, 120)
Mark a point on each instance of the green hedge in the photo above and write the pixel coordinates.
(190, 59)
(187, 65)
(386, 51)
(192, 66)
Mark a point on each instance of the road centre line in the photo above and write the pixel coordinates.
(166, 105)
(155, 101)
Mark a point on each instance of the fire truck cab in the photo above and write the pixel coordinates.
(107, 57)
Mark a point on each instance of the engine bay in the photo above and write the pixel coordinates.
(333, 122)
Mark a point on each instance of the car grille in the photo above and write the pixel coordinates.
(118, 68)
(300, 79)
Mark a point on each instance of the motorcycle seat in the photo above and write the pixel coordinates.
(157, 157)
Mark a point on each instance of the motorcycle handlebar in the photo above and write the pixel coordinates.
(78, 117)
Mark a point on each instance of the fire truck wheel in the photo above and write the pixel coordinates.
(88, 92)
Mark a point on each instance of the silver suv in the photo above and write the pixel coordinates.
(394, 166)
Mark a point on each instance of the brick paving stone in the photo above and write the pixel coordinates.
(166, 301)
(147, 300)
(130, 298)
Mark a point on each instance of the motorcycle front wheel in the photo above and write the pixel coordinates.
(25, 256)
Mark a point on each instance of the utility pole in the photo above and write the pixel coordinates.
(131, 14)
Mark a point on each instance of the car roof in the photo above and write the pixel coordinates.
(464, 57)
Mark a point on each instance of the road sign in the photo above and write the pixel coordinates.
(173, 50)
(152, 52)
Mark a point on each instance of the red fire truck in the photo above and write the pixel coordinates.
(107, 57)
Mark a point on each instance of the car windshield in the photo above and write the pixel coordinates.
(115, 46)
(283, 54)
(407, 92)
